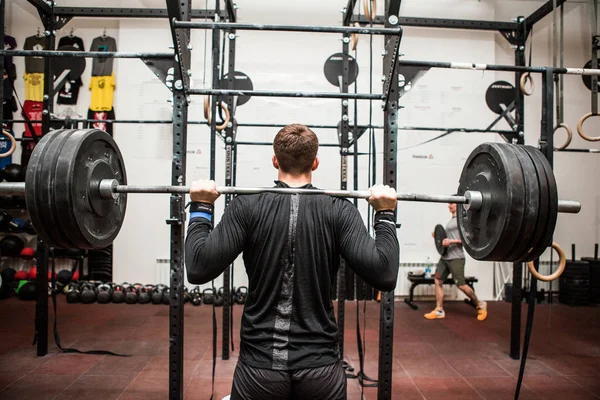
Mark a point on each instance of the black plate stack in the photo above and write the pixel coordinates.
(575, 284)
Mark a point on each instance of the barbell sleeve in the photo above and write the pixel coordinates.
(12, 188)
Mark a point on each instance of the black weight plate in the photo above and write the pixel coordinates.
(576, 275)
(31, 191)
(488, 233)
(500, 92)
(75, 65)
(532, 202)
(61, 234)
(334, 67)
(552, 215)
(241, 81)
(594, 262)
(39, 191)
(90, 156)
(587, 79)
(439, 235)
(536, 249)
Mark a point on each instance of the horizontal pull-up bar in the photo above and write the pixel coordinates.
(494, 67)
(268, 93)
(83, 54)
(287, 28)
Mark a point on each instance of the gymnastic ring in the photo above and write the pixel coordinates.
(207, 113)
(569, 136)
(370, 16)
(13, 144)
(580, 128)
(354, 37)
(562, 262)
(524, 78)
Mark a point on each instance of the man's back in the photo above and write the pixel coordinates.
(292, 246)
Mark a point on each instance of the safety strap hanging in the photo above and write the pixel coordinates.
(594, 27)
(526, 77)
(594, 23)
(558, 54)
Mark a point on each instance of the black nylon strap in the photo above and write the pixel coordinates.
(362, 377)
(231, 302)
(56, 335)
(214, 345)
(528, 328)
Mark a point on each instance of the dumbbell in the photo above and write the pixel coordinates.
(118, 294)
(196, 296)
(105, 292)
(88, 293)
(144, 294)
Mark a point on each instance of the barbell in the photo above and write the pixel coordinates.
(76, 194)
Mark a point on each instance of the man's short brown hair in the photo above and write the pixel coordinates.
(296, 148)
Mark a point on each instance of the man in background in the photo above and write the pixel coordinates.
(453, 262)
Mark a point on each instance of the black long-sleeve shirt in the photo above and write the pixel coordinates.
(291, 247)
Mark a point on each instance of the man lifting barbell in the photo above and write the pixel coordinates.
(452, 262)
(292, 247)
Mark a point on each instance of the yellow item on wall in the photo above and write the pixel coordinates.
(34, 86)
(102, 88)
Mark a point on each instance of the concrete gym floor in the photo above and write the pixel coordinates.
(454, 358)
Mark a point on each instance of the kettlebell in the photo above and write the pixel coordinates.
(157, 293)
(118, 294)
(186, 295)
(208, 296)
(88, 294)
(196, 296)
(219, 300)
(105, 293)
(73, 293)
(166, 295)
(231, 294)
(144, 294)
(241, 294)
(131, 296)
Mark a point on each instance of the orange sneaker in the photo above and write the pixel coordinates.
(482, 311)
(436, 314)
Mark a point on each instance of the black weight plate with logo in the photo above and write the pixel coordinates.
(551, 194)
(439, 235)
(90, 156)
(500, 92)
(334, 67)
(532, 201)
(587, 79)
(488, 233)
(241, 81)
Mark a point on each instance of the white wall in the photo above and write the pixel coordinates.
(294, 61)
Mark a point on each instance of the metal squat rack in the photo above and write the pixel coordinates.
(180, 15)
